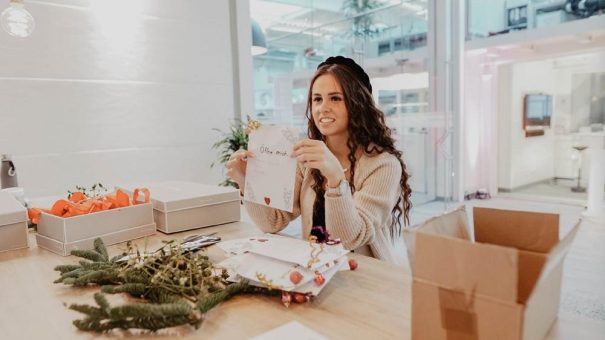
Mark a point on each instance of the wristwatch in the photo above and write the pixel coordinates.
(342, 187)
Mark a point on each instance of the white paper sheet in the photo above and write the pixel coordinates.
(293, 330)
(288, 249)
(271, 173)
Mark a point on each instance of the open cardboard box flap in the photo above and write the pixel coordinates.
(452, 224)
(458, 264)
(557, 254)
(523, 230)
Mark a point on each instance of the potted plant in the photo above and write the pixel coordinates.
(235, 139)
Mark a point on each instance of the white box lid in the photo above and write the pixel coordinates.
(179, 195)
(11, 211)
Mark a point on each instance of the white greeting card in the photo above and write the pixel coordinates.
(266, 271)
(310, 287)
(263, 271)
(271, 173)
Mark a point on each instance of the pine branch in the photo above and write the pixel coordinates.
(134, 289)
(66, 268)
(101, 249)
(152, 324)
(89, 255)
(205, 303)
(101, 277)
(142, 316)
(103, 303)
(179, 287)
(149, 310)
(96, 265)
(92, 312)
(72, 274)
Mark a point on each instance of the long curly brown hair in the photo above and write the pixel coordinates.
(367, 129)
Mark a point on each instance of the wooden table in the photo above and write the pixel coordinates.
(372, 302)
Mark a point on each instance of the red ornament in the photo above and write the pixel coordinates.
(295, 277)
(300, 298)
(319, 279)
(352, 264)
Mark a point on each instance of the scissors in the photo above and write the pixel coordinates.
(190, 243)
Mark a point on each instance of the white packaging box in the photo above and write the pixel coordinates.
(13, 223)
(180, 205)
(62, 235)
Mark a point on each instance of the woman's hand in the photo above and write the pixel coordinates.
(236, 167)
(316, 155)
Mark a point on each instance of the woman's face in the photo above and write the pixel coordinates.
(330, 113)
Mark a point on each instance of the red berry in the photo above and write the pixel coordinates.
(352, 264)
(295, 277)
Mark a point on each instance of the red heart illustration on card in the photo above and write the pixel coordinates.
(267, 200)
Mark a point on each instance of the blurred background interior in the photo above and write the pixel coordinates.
(541, 58)
(485, 98)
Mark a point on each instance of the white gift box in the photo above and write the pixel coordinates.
(180, 205)
(62, 235)
(13, 223)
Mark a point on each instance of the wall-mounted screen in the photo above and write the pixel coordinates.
(537, 110)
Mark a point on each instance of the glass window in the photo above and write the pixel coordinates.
(495, 17)
(388, 38)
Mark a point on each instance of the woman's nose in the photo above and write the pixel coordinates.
(323, 106)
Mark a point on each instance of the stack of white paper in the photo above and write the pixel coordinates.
(269, 260)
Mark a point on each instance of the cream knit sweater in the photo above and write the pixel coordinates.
(358, 219)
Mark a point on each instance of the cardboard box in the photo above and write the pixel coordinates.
(13, 223)
(505, 285)
(180, 206)
(452, 224)
(62, 235)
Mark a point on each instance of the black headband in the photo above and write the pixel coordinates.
(352, 66)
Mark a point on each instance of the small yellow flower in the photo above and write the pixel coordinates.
(251, 126)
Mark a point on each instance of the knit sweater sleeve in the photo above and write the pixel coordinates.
(271, 220)
(357, 218)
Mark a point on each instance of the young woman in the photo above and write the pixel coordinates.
(351, 182)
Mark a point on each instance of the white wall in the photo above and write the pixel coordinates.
(530, 159)
(524, 160)
(116, 91)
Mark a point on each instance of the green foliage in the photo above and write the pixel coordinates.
(362, 25)
(179, 288)
(143, 316)
(95, 190)
(235, 139)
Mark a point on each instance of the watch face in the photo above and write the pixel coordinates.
(344, 185)
(340, 189)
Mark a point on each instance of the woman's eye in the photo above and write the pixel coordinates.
(336, 99)
(317, 99)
